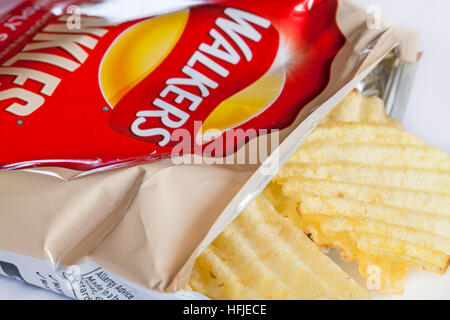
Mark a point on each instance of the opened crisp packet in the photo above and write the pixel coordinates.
(132, 132)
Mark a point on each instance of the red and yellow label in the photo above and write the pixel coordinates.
(106, 94)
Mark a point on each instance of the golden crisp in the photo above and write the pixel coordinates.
(261, 255)
(365, 186)
(358, 183)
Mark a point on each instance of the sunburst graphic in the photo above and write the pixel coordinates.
(291, 55)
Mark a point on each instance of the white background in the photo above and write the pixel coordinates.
(427, 116)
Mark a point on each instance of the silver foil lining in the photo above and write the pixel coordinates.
(392, 81)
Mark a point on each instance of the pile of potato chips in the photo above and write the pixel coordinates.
(261, 255)
(358, 183)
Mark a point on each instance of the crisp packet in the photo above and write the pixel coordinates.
(133, 132)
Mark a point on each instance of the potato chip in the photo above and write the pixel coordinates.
(320, 205)
(261, 255)
(391, 177)
(389, 276)
(369, 226)
(404, 251)
(357, 108)
(373, 154)
(384, 274)
(360, 133)
(358, 183)
(375, 192)
(436, 203)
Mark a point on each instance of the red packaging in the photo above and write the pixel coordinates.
(100, 95)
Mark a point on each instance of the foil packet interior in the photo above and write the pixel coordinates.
(131, 227)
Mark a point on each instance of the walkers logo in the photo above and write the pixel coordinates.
(107, 94)
(211, 63)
